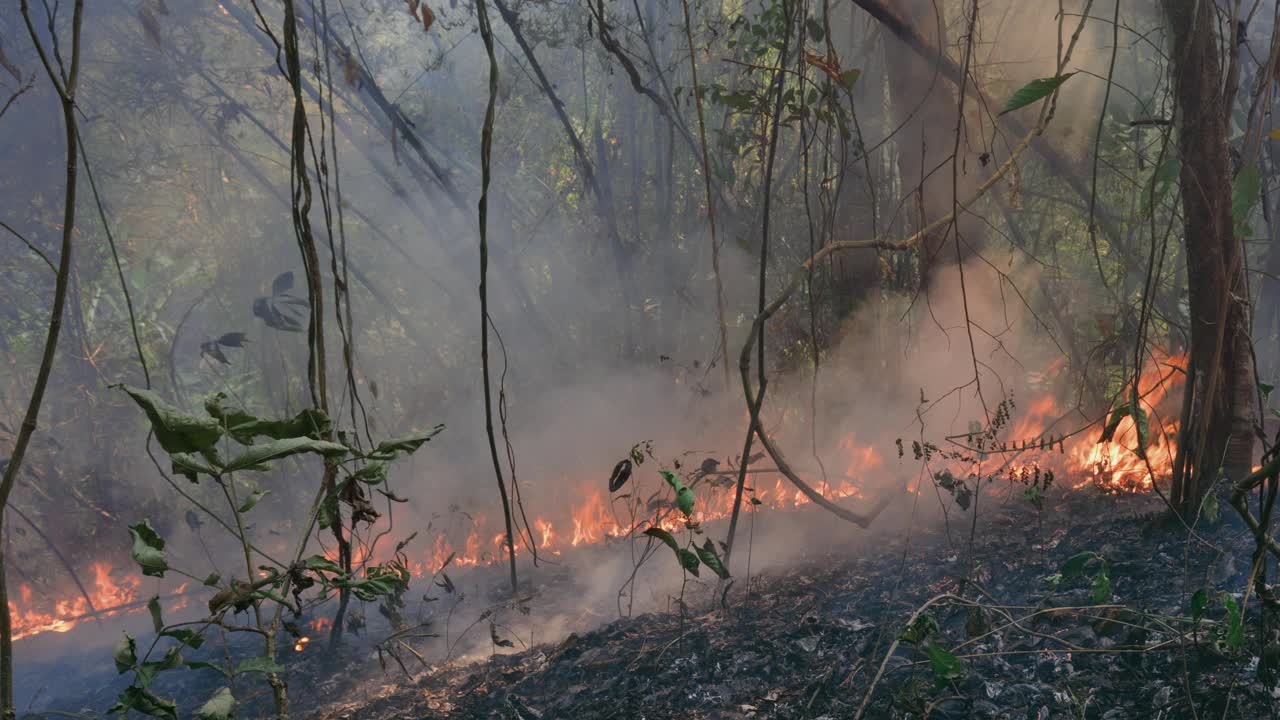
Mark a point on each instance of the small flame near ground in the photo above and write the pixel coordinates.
(1080, 459)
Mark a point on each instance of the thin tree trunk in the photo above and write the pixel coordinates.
(66, 89)
(1221, 433)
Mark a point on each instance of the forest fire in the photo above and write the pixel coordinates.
(1032, 444)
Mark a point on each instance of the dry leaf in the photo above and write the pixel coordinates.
(13, 69)
(428, 18)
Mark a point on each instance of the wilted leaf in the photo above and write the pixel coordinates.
(1033, 91)
(148, 549)
(190, 466)
(1113, 423)
(276, 449)
(212, 350)
(145, 702)
(254, 498)
(687, 559)
(190, 638)
(125, 654)
(157, 619)
(177, 432)
(388, 449)
(219, 707)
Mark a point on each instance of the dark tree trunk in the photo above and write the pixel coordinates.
(1220, 432)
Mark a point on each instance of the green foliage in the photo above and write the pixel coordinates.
(1199, 602)
(145, 702)
(688, 560)
(709, 557)
(943, 663)
(176, 431)
(260, 664)
(920, 629)
(1033, 91)
(257, 455)
(1234, 636)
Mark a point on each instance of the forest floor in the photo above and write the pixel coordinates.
(1049, 640)
(808, 642)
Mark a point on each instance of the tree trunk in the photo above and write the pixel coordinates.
(1220, 433)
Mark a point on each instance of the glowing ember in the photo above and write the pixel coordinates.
(301, 644)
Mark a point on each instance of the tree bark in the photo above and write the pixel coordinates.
(1219, 435)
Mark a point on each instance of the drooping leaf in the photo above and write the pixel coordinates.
(684, 496)
(389, 449)
(374, 473)
(211, 349)
(1245, 192)
(145, 702)
(1212, 510)
(1143, 427)
(261, 664)
(177, 432)
(190, 638)
(688, 560)
(148, 549)
(157, 618)
(1033, 91)
(147, 671)
(1235, 624)
(191, 466)
(943, 663)
(283, 283)
(709, 557)
(254, 498)
(221, 706)
(258, 454)
(125, 654)
(200, 664)
(1265, 389)
(320, 562)
(1199, 602)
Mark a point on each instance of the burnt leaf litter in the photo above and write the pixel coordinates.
(1096, 608)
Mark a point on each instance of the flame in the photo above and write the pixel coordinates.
(1078, 460)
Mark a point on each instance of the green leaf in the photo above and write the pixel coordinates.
(707, 554)
(145, 702)
(191, 465)
(849, 77)
(1161, 180)
(684, 496)
(1212, 511)
(1265, 389)
(1199, 602)
(1074, 566)
(157, 620)
(1033, 91)
(320, 562)
(388, 449)
(687, 559)
(1100, 590)
(147, 671)
(254, 498)
(221, 706)
(944, 664)
(177, 432)
(1245, 192)
(244, 426)
(919, 630)
(276, 449)
(261, 664)
(1235, 624)
(212, 580)
(125, 654)
(148, 549)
